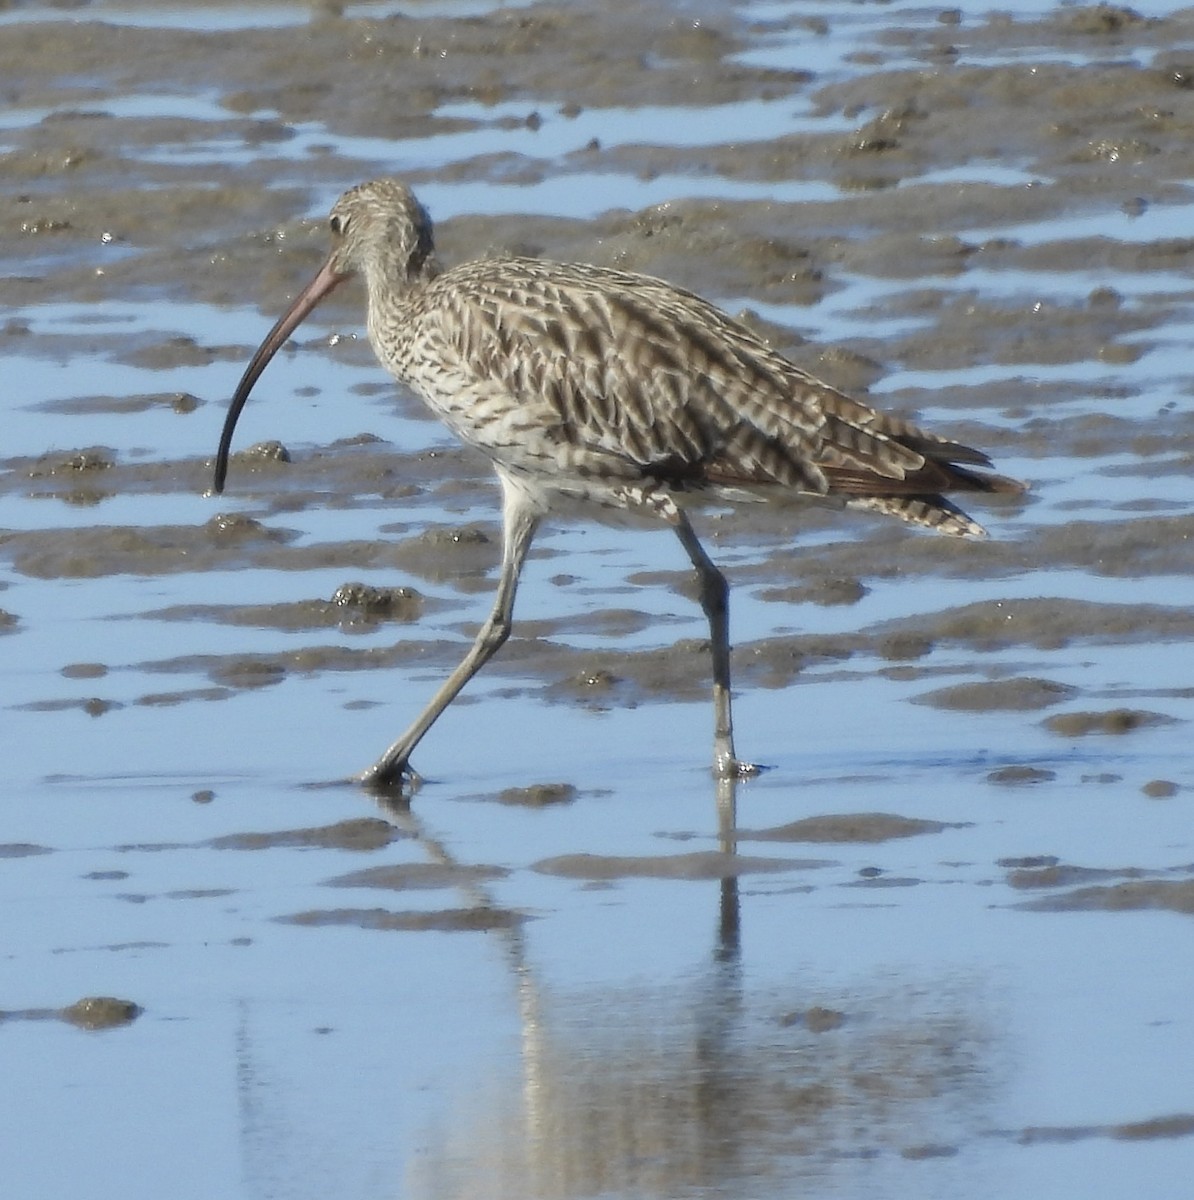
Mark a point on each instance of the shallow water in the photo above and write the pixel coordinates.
(943, 950)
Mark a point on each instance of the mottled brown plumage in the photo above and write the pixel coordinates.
(604, 392)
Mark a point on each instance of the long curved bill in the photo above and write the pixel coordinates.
(326, 279)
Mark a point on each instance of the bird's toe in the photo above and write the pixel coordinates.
(390, 777)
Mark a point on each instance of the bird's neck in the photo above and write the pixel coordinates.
(395, 290)
(393, 302)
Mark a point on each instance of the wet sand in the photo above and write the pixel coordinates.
(977, 220)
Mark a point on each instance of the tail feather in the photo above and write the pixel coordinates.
(929, 512)
(917, 498)
(934, 475)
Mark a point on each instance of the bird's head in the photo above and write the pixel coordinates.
(379, 231)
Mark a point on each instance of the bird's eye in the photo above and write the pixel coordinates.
(337, 224)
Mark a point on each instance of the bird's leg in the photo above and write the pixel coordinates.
(715, 593)
(520, 523)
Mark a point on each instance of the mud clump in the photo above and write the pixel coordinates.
(101, 1012)
(539, 795)
(360, 834)
(374, 604)
(1116, 721)
(857, 827)
(1133, 896)
(1004, 695)
(1020, 775)
(456, 920)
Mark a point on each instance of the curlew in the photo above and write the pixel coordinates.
(609, 394)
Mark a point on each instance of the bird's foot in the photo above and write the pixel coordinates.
(729, 767)
(390, 777)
